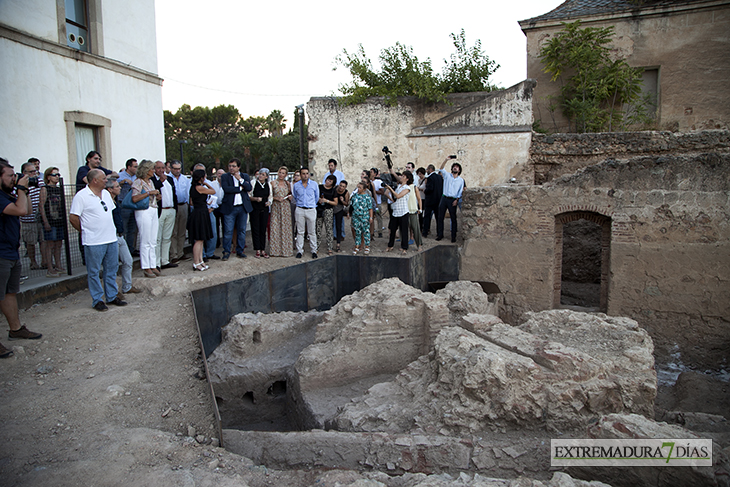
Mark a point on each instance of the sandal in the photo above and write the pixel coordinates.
(367, 251)
(389, 249)
(355, 250)
(265, 255)
(403, 251)
(258, 254)
(200, 267)
(337, 249)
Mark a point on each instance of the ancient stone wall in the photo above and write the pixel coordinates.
(668, 246)
(555, 155)
(489, 132)
(684, 47)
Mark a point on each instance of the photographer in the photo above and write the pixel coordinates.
(31, 229)
(12, 208)
(399, 217)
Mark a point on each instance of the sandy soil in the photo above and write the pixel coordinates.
(114, 398)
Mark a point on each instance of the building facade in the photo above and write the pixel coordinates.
(682, 45)
(79, 75)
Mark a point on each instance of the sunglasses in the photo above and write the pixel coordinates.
(55, 175)
(104, 205)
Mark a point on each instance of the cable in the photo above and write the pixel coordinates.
(229, 91)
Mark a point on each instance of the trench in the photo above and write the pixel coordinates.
(270, 404)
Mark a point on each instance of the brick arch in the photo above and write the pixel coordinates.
(605, 224)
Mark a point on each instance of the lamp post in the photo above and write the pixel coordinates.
(300, 114)
(182, 160)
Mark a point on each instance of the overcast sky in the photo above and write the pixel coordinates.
(261, 56)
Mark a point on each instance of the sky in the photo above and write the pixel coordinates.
(264, 56)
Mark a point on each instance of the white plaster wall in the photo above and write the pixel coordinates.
(129, 33)
(37, 17)
(38, 87)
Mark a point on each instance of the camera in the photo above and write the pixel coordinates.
(32, 180)
(387, 153)
(389, 180)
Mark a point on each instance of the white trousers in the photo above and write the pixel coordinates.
(306, 217)
(164, 235)
(147, 228)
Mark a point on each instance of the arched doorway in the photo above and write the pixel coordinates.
(582, 250)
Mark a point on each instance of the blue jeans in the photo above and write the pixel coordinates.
(236, 218)
(130, 228)
(209, 249)
(125, 257)
(106, 255)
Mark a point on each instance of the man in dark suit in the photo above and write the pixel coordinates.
(235, 207)
(434, 190)
(166, 215)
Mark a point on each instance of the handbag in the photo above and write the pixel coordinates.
(142, 204)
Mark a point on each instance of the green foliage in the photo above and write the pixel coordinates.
(215, 135)
(403, 74)
(468, 69)
(594, 88)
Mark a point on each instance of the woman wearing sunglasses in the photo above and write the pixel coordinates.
(53, 216)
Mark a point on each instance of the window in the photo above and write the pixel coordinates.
(86, 132)
(86, 141)
(77, 25)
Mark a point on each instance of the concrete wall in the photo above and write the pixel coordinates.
(489, 132)
(669, 246)
(47, 86)
(689, 45)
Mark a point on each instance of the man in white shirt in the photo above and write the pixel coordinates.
(182, 191)
(91, 214)
(166, 214)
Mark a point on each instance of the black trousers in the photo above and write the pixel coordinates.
(429, 211)
(446, 204)
(259, 220)
(394, 224)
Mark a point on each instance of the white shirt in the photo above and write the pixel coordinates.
(378, 184)
(338, 174)
(182, 188)
(97, 223)
(166, 192)
(215, 199)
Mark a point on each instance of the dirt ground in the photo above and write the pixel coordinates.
(115, 397)
(120, 397)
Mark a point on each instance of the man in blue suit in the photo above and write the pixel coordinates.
(235, 207)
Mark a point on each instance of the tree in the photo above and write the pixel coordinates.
(275, 123)
(402, 74)
(594, 88)
(468, 69)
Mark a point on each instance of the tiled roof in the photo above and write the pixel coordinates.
(574, 9)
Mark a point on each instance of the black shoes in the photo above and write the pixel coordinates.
(100, 306)
(314, 255)
(225, 256)
(241, 256)
(169, 265)
(214, 257)
(117, 302)
(299, 255)
(439, 238)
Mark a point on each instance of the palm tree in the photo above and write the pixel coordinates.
(217, 151)
(246, 141)
(275, 123)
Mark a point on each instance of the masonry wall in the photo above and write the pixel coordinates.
(689, 46)
(555, 155)
(489, 132)
(669, 246)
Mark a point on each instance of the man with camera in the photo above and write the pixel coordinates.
(31, 229)
(11, 208)
(453, 188)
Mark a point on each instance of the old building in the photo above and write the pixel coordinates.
(79, 75)
(682, 46)
(489, 132)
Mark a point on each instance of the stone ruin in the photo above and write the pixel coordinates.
(403, 381)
